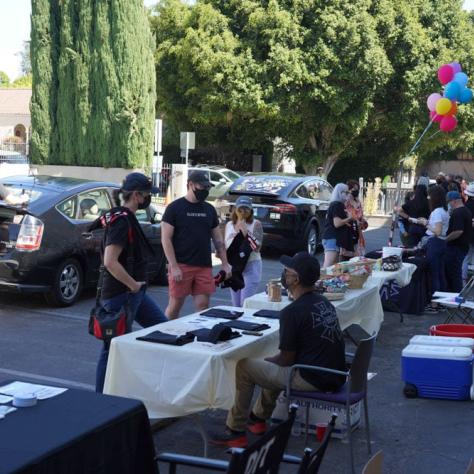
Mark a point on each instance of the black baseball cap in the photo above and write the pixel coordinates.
(139, 182)
(305, 265)
(200, 177)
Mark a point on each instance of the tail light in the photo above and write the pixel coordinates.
(284, 209)
(30, 235)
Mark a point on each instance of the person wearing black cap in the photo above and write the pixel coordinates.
(458, 238)
(309, 334)
(187, 227)
(126, 252)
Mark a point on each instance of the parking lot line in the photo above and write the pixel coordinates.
(48, 380)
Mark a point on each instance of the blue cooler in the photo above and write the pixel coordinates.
(437, 371)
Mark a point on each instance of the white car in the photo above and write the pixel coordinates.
(221, 178)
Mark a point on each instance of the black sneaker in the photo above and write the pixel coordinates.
(230, 438)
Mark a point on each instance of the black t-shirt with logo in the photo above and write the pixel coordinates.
(193, 224)
(134, 261)
(309, 327)
(461, 219)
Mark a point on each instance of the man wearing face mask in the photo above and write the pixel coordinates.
(126, 252)
(309, 334)
(188, 225)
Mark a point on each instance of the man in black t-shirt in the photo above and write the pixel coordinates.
(458, 239)
(309, 334)
(187, 227)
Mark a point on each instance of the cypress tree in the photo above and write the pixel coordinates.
(44, 44)
(101, 95)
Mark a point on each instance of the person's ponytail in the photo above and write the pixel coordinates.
(116, 196)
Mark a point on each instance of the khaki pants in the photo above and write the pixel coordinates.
(271, 378)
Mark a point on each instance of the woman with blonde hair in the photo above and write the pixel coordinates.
(249, 232)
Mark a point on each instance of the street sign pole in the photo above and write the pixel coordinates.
(157, 157)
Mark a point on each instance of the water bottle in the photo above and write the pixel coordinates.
(296, 428)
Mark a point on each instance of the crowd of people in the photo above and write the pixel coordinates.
(436, 217)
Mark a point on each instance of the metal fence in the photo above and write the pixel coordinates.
(380, 199)
(13, 152)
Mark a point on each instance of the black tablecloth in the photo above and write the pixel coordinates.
(413, 298)
(78, 432)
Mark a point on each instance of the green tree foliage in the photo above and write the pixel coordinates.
(335, 80)
(25, 58)
(4, 79)
(93, 83)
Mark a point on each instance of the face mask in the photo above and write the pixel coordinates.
(355, 193)
(201, 194)
(145, 203)
(450, 208)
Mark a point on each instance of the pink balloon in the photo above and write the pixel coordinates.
(432, 99)
(435, 117)
(448, 124)
(456, 67)
(445, 74)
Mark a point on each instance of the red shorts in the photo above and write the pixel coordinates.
(196, 281)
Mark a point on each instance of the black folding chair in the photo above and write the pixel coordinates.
(262, 457)
(311, 460)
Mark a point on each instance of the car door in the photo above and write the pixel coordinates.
(90, 205)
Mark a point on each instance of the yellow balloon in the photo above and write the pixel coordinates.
(443, 106)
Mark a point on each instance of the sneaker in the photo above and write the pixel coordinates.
(256, 425)
(230, 438)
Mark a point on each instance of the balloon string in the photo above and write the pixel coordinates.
(418, 142)
(434, 134)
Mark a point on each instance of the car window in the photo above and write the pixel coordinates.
(315, 189)
(232, 175)
(91, 204)
(215, 176)
(142, 215)
(68, 207)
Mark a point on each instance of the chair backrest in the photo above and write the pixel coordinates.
(374, 464)
(312, 460)
(360, 365)
(265, 455)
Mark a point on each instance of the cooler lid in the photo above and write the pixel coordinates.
(443, 341)
(437, 352)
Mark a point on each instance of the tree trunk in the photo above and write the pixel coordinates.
(327, 165)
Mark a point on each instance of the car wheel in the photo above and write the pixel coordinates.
(312, 240)
(67, 284)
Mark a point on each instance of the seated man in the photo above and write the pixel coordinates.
(309, 334)
(89, 209)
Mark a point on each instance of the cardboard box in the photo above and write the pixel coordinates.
(319, 412)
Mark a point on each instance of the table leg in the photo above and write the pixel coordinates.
(202, 431)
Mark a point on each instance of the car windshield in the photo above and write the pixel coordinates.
(232, 175)
(19, 190)
(262, 184)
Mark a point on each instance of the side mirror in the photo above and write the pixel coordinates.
(223, 181)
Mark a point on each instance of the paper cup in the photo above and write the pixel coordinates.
(321, 431)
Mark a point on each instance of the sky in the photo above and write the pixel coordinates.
(15, 29)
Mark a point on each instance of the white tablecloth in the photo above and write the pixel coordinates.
(181, 380)
(362, 307)
(402, 276)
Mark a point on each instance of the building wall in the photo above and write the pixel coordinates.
(9, 121)
(465, 168)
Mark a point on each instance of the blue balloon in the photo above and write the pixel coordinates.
(462, 78)
(466, 96)
(452, 90)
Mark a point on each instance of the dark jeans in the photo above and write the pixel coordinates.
(435, 254)
(453, 264)
(145, 312)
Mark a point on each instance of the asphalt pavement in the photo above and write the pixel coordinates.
(51, 346)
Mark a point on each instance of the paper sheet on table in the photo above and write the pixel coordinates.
(5, 399)
(42, 392)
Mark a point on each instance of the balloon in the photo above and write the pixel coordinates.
(466, 96)
(462, 78)
(432, 100)
(452, 90)
(456, 67)
(445, 74)
(435, 117)
(448, 124)
(454, 108)
(443, 106)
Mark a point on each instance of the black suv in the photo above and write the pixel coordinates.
(291, 207)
